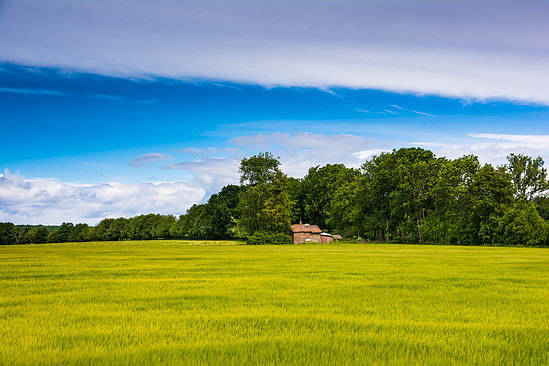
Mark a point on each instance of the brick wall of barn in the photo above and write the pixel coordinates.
(300, 238)
(326, 239)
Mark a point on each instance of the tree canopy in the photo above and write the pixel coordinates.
(408, 195)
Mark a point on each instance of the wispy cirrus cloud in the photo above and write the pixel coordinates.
(107, 97)
(423, 113)
(210, 151)
(467, 49)
(148, 158)
(24, 91)
(119, 98)
(398, 110)
(395, 110)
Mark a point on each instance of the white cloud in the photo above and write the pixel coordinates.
(423, 113)
(148, 158)
(302, 151)
(49, 201)
(469, 49)
(367, 154)
(211, 173)
(297, 154)
(531, 141)
(496, 149)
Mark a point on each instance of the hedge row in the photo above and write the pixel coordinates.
(261, 238)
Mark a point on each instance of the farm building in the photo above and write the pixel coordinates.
(326, 238)
(305, 233)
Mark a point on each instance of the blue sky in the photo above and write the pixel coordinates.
(121, 108)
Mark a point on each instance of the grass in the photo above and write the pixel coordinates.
(177, 302)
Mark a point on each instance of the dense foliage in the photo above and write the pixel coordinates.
(261, 238)
(408, 195)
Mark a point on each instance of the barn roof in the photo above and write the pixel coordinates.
(306, 228)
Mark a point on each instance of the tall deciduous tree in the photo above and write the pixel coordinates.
(528, 176)
(376, 198)
(264, 204)
(490, 193)
(320, 186)
(276, 212)
(8, 233)
(258, 169)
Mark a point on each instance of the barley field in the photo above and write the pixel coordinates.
(223, 303)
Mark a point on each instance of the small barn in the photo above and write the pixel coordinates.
(326, 238)
(305, 233)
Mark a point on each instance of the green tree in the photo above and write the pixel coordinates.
(296, 194)
(111, 229)
(376, 198)
(395, 193)
(258, 169)
(223, 209)
(41, 235)
(343, 215)
(414, 182)
(521, 224)
(255, 173)
(320, 186)
(250, 206)
(62, 234)
(195, 225)
(264, 204)
(148, 227)
(8, 233)
(490, 193)
(528, 176)
(542, 206)
(451, 199)
(276, 212)
(80, 232)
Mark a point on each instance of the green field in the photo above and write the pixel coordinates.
(177, 302)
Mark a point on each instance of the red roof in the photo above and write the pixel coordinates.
(306, 228)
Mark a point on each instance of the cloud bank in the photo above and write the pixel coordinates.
(467, 49)
(493, 148)
(51, 202)
(302, 151)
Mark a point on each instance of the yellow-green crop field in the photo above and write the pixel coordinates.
(220, 303)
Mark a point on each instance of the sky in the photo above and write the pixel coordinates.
(120, 108)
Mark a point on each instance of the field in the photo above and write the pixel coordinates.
(178, 302)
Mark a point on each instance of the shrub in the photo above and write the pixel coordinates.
(262, 238)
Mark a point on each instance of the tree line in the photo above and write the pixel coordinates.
(408, 196)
